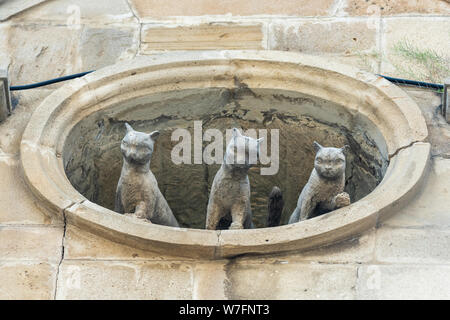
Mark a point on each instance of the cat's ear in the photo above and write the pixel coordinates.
(260, 140)
(154, 135)
(345, 148)
(317, 146)
(129, 128)
(236, 132)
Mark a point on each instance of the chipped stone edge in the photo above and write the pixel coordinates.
(23, 6)
(52, 121)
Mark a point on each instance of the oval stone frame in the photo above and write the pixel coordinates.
(394, 113)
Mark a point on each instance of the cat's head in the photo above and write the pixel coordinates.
(329, 162)
(137, 147)
(242, 151)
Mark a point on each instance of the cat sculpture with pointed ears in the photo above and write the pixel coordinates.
(324, 190)
(137, 192)
(230, 191)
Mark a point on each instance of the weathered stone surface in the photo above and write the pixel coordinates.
(175, 242)
(367, 61)
(24, 103)
(69, 11)
(74, 46)
(416, 58)
(57, 197)
(319, 36)
(4, 54)
(428, 209)
(412, 246)
(357, 250)
(210, 281)
(9, 8)
(201, 37)
(429, 103)
(27, 280)
(37, 57)
(17, 205)
(283, 280)
(100, 47)
(154, 9)
(413, 160)
(124, 280)
(31, 243)
(403, 282)
(388, 7)
(83, 245)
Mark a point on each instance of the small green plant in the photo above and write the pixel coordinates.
(418, 63)
(368, 61)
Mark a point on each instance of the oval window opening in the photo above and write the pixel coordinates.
(93, 161)
(71, 157)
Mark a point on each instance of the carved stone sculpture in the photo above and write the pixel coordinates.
(230, 191)
(137, 192)
(324, 190)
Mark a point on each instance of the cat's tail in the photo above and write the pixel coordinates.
(275, 207)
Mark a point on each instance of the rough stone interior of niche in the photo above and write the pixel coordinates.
(92, 157)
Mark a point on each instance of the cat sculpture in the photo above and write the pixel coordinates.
(137, 192)
(324, 191)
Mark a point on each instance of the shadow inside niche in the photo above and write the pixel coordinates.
(93, 161)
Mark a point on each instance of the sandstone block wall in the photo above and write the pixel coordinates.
(405, 257)
(92, 34)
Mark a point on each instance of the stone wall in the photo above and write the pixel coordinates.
(405, 257)
(381, 36)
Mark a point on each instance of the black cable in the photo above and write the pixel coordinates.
(414, 83)
(51, 81)
(77, 75)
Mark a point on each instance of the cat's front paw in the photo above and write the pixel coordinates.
(342, 200)
(235, 226)
(140, 216)
(135, 216)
